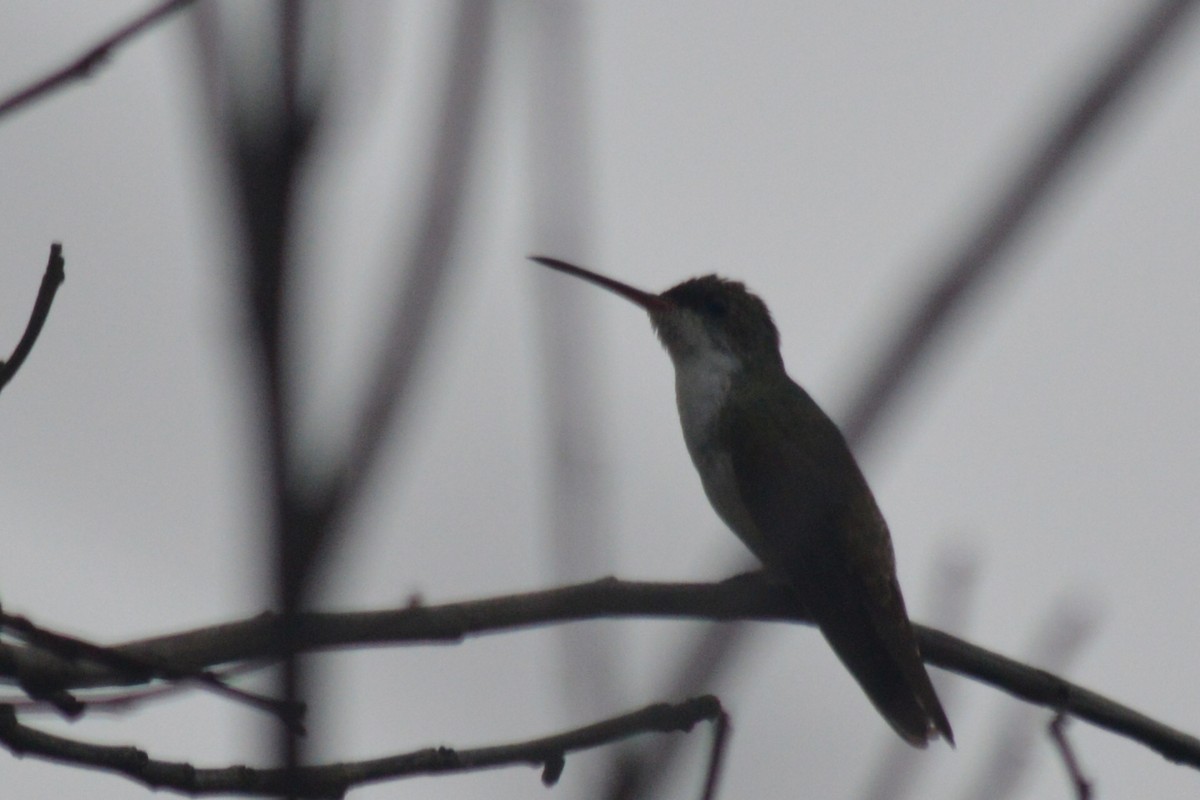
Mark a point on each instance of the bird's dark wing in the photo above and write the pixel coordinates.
(823, 532)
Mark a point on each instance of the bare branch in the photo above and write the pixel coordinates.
(51, 280)
(1045, 689)
(82, 66)
(333, 780)
(744, 597)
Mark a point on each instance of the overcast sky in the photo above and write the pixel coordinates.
(829, 155)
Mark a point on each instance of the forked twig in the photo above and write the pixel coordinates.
(132, 667)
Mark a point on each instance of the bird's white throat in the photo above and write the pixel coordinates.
(702, 382)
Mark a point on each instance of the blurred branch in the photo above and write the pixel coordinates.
(298, 121)
(959, 280)
(267, 144)
(334, 780)
(966, 269)
(576, 469)
(744, 597)
(82, 66)
(425, 273)
(52, 278)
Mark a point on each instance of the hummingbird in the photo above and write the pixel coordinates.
(779, 473)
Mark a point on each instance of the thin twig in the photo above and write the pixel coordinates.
(52, 278)
(745, 597)
(706, 656)
(136, 668)
(1058, 733)
(82, 66)
(334, 780)
(1013, 731)
(716, 756)
(123, 701)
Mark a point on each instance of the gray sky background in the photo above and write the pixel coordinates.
(827, 154)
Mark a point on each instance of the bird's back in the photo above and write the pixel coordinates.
(805, 509)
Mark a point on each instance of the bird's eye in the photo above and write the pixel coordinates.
(716, 306)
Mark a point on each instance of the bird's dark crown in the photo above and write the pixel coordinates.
(727, 306)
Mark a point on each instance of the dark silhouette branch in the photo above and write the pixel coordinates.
(334, 780)
(83, 66)
(122, 701)
(745, 597)
(52, 278)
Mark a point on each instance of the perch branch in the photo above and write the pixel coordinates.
(745, 597)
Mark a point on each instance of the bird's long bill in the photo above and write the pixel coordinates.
(648, 301)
